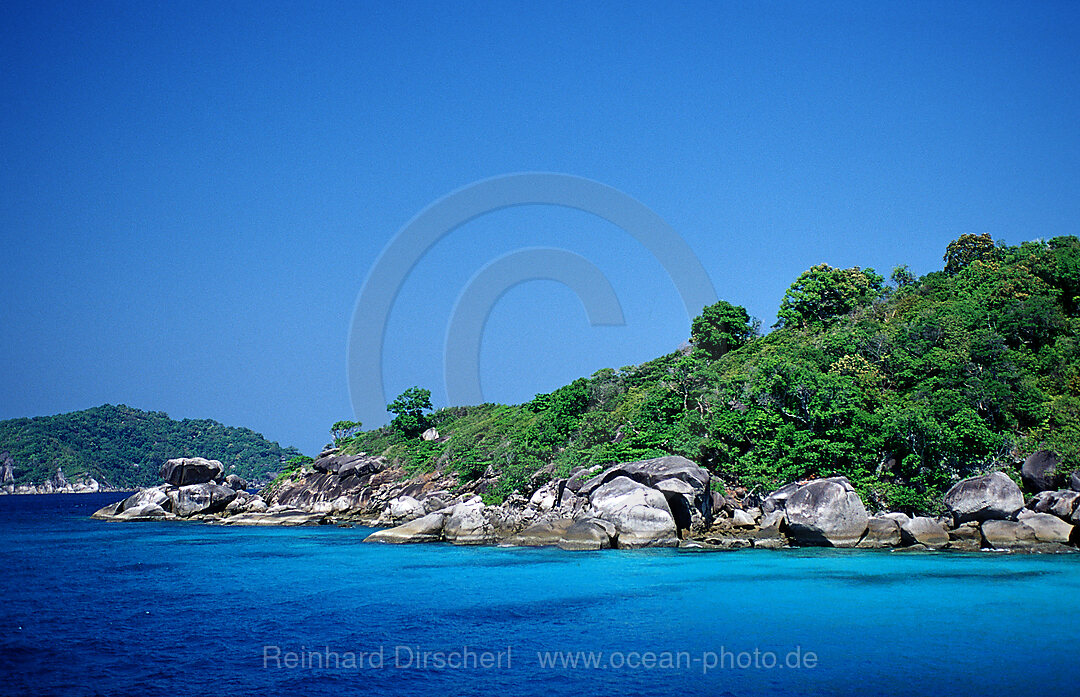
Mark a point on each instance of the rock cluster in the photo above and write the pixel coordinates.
(57, 484)
(197, 489)
(660, 502)
(648, 503)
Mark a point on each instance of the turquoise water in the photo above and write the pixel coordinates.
(108, 608)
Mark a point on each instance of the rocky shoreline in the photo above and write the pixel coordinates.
(57, 484)
(662, 502)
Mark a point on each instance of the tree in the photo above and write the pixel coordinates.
(902, 276)
(823, 293)
(344, 429)
(966, 249)
(409, 408)
(720, 328)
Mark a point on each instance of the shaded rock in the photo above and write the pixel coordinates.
(640, 514)
(191, 470)
(541, 534)
(1039, 471)
(826, 512)
(236, 482)
(924, 531)
(589, 534)
(880, 533)
(991, 496)
(426, 529)
(966, 531)
(769, 543)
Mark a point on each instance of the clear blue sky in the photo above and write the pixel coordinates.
(192, 194)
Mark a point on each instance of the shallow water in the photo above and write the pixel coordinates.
(91, 607)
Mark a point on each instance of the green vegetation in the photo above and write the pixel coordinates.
(125, 446)
(902, 389)
(409, 407)
(343, 430)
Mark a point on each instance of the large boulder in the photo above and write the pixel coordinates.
(1040, 471)
(468, 524)
(191, 470)
(236, 482)
(639, 513)
(1060, 503)
(826, 512)
(652, 472)
(545, 533)
(589, 534)
(200, 498)
(1049, 528)
(426, 529)
(924, 531)
(991, 496)
(1007, 534)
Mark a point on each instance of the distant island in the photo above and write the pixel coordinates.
(110, 448)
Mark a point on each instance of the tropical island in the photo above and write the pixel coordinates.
(873, 414)
(120, 448)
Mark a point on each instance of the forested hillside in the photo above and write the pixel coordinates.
(902, 386)
(124, 447)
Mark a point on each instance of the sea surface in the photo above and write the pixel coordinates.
(99, 608)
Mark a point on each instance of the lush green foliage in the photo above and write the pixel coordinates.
(902, 390)
(823, 294)
(721, 327)
(968, 248)
(408, 408)
(125, 446)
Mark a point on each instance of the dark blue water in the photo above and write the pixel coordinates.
(93, 608)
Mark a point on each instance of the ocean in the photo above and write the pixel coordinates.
(99, 608)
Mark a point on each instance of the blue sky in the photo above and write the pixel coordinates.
(191, 195)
